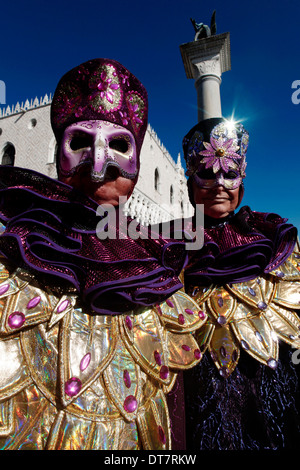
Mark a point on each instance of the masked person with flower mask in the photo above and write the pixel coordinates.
(244, 394)
(93, 329)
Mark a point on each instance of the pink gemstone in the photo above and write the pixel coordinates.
(33, 302)
(4, 288)
(130, 404)
(63, 306)
(157, 358)
(185, 347)
(84, 363)
(16, 320)
(181, 319)
(170, 303)
(197, 354)
(164, 372)
(158, 309)
(73, 386)
(128, 322)
(189, 311)
(127, 379)
(162, 436)
(201, 315)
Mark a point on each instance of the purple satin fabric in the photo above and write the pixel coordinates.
(51, 231)
(246, 246)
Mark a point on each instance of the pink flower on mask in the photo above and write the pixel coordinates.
(134, 113)
(107, 88)
(106, 92)
(220, 154)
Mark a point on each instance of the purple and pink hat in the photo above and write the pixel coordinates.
(100, 89)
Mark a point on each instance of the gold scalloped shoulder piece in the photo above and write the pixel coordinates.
(224, 349)
(145, 339)
(290, 269)
(153, 424)
(200, 294)
(29, 417)
(221, 305)
(60, 308)
(252, 315)
(257, 293)
(22, 304)
(256, 336)
(14, 374)
(286, 324)
(40, 350)
(181, 313)
(71, 432)
(124, 382)
(287, 294)
(184, 352)
(6, 418)
(87, 345)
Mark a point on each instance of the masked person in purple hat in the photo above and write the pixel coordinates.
(93, 328)
(244, 394)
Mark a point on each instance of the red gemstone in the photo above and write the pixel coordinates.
(63, 306)
(185, 347)
(158, 309)
(164, 372)
(73, 386)
(33, 302)
(130, 404)
(201, 315)
(85, 361)
(157, 358)
(162, 436)
(181, 319)
(197, 354)
(128, 322)
(189, 311)
(4, 288)
(16, 320)
(170, 303)
(127, 379)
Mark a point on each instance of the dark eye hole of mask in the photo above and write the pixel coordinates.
(206, 174)
(81, 141)
(231, 175)
(121, 145)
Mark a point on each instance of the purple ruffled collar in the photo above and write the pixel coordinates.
(51, 232)
(241, 248)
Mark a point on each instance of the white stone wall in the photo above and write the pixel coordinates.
(27, 127)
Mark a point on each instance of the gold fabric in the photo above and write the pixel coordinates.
(254, 315)
(117, 360)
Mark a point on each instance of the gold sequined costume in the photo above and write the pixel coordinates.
(254, 315)
(70, 380)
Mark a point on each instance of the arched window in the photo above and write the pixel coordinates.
(171, 194)
(8, 156)
(156, 179)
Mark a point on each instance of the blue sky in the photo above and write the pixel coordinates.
(41, 40)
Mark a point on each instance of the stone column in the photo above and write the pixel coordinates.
(205, 60)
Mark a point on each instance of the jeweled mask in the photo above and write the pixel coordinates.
(98, 144)
(215, 153)
(100, 90)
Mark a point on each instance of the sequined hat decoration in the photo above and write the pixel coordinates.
(218, 144)
(100, 89)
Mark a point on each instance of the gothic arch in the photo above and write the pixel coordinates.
(8, 154)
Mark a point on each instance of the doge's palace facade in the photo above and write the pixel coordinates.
(27, 141)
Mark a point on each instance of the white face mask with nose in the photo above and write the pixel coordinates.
(99, 144)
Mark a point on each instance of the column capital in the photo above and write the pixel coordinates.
(207, 53)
